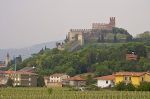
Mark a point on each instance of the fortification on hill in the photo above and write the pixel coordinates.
(100, 32)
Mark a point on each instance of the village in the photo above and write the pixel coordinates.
(74, 49)
(27, 77)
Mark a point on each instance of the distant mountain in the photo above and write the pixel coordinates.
(26, 52)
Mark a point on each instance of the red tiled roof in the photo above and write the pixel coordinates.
(108, 77)
(76, 78)
(9, 72)
(130, 73)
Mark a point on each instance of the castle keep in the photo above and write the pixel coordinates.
(85, 35)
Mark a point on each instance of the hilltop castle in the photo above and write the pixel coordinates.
(100, 32)
(84, 35)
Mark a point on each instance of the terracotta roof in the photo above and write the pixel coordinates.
(130, 73)
(76, 78)
(108, 77)
(9, 72)
(57, 75)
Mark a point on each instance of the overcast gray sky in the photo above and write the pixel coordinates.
(28, 22)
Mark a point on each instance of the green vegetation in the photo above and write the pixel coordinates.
(98, 58)
(50, 90)
(144, 86)
(10, 82)
(125, 87)
(42, 93)
(40, 81)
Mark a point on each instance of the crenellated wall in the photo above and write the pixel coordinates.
(105, 26)
(84, 35)
(80, 30)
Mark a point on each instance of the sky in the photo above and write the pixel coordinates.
(27, 22)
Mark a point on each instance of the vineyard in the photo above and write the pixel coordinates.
(43, 93)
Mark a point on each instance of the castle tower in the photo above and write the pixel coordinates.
(7, 59)
(112, 21)
(81, 39)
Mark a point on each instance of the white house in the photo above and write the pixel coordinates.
(105, 81)
(55, 80)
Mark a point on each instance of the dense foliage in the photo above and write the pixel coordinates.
(144, 86)
(100, 58)
(10, 82)
(40, 81)
(125, 87)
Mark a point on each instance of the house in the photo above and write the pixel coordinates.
(132, 77)
(76, 81)
(3, 78)
(55, 80)
(105, 81)
(25, 79)
(20, 78)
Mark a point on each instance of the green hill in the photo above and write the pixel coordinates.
(98, 58)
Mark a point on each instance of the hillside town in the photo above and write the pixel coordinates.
(76, 40)
(74, 49)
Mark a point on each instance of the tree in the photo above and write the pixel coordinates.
(144, 86)
(10, 82)
(125, 87)
(115, 38)
(120, 86)
(144, 36)
(40, 81)
(89, 80)
(130, 87)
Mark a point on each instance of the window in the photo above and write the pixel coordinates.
(106, 82)
(29, 84)
(130, 78)
(142, 79)
(125, 78)
(29, 79)
(18, 79)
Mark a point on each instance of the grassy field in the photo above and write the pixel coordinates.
(43, 93)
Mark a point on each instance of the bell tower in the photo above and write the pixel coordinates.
(7, 59)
